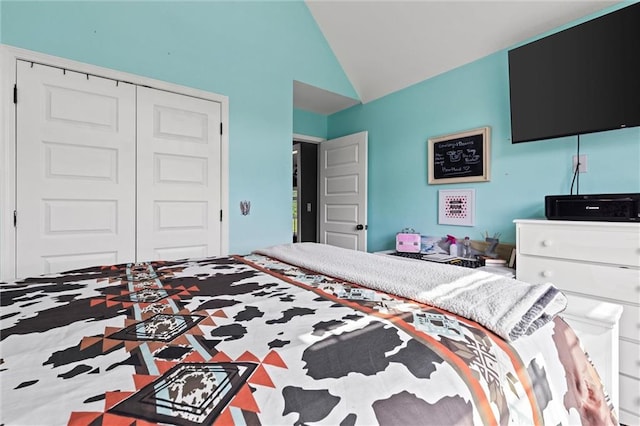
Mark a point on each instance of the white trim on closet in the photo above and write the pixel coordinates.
(9, 56)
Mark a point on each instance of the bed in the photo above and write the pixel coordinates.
(293, 334)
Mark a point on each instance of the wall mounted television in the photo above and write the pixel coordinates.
(580, 80)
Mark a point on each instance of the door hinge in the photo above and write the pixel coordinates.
(221, 128)
(220, 215)
(15, 218)
(15, 93)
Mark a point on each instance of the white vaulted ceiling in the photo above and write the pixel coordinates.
(385, 46)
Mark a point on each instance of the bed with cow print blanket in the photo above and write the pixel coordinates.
(247, 340)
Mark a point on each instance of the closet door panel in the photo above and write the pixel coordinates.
(178, 176)
(75, 194)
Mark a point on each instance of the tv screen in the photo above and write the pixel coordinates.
(581, 80)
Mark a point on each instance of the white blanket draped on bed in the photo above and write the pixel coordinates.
(508, 307)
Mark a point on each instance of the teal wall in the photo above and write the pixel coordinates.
(309, 123)
(250, 51)
(468, 97)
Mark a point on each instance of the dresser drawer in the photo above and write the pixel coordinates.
(630, 359)
(617, 246)
(629, 400)
(620, 284)
(630, 323)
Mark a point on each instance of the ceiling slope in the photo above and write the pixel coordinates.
(386, 46)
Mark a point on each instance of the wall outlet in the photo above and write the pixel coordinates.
(583, 163)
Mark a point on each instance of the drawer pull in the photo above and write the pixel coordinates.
(547, 274)
(547, 243)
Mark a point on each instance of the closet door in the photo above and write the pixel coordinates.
(75, 191)
(178, 194)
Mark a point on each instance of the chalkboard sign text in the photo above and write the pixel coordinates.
(459, 157)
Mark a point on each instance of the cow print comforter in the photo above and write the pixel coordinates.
(248, 340)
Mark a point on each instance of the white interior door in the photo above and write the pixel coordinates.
(343, 191)
(75, 190)
(178, 176)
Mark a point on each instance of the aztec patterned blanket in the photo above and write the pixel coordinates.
(251, 340)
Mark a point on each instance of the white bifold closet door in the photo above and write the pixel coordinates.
(178, 176)
(110, 172)
(75, 197)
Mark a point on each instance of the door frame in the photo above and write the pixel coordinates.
(297, 137)
(8, 57)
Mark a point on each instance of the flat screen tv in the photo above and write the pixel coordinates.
(580, 80)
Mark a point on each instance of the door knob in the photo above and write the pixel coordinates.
(360, 227)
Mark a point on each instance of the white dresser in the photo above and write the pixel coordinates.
(598, 262)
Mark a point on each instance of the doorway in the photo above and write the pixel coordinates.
(330, 191)
(305, 192)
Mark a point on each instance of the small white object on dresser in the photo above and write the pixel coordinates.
(597, 265)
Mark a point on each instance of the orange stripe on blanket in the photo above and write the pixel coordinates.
(521, 369)
(517, 363)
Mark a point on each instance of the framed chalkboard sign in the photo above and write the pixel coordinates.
(460, 157)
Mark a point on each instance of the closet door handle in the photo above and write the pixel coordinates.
(360, 227)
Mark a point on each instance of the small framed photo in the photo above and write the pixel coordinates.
(460, 157)
(457, 207)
